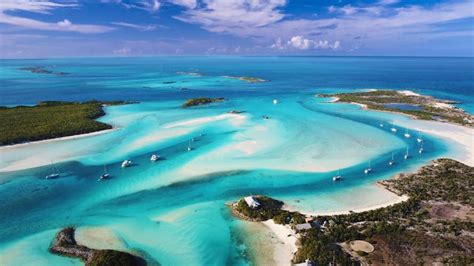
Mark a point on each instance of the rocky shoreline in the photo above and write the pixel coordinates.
(65, 244)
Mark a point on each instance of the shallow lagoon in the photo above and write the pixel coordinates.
(173, 211)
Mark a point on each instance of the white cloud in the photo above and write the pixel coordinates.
(185, 3)
(234, 15)
(301, 43)
(136, 26)
(278, 44)
(122, 51)
(43, 7)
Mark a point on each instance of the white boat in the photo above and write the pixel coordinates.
(189, 146)
(275, 101)
(420, 151)
(105, 175)
(55, 173)
(154, 158)
(393, 129)
(381, 124)
(337, 177)
(391, 162)
(407, 135)
(419, 139)
(126, 163)
(368, 170)
(406, 154)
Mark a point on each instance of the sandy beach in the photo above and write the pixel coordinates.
(3, 148)
(283, 252)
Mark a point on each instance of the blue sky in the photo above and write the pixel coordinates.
(236, 27)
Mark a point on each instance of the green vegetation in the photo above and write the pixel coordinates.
(49, 120)
(109, 257)
(378, 100)
(433, 226)
(201, 101)
(269, 209)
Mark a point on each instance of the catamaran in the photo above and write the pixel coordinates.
(126, 163)
(391, 162)
(337, 177)
(368, 170)
(393, 129)
(154, 158)
(105, 175)
(407, 135)
(55, 173)
(406, 154)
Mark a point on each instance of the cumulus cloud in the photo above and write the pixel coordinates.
(299, 42)
(43, 7)
(233, 15)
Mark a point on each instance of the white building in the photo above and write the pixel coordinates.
(252, 202)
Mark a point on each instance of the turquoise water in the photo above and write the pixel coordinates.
(173, 211)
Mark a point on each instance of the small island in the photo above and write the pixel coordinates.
(435, 224)
(247, 79)
(409, 103)
(201, 101)
(43, 70)
(65, 244)
(51, 119)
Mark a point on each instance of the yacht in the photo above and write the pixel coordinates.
(55, 173)
(368, 170)
(105, 175)
(126, 163)
(406, 154)
(391, 162)
(420, 151)
(154, 158)
(275, 101)
(407, 135)
(337, 177)
(381, 124)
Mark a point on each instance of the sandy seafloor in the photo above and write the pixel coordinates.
(173, 211)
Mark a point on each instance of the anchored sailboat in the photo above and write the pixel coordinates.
(189, 146)
(154, 158)
(406, 154)
(393, 129)
(407, 135)
(420, 151)
(105, 175)
(55, 173)
(391, 162)
(368, 170)
(337, 177)
(126, 163)
(419, 139)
